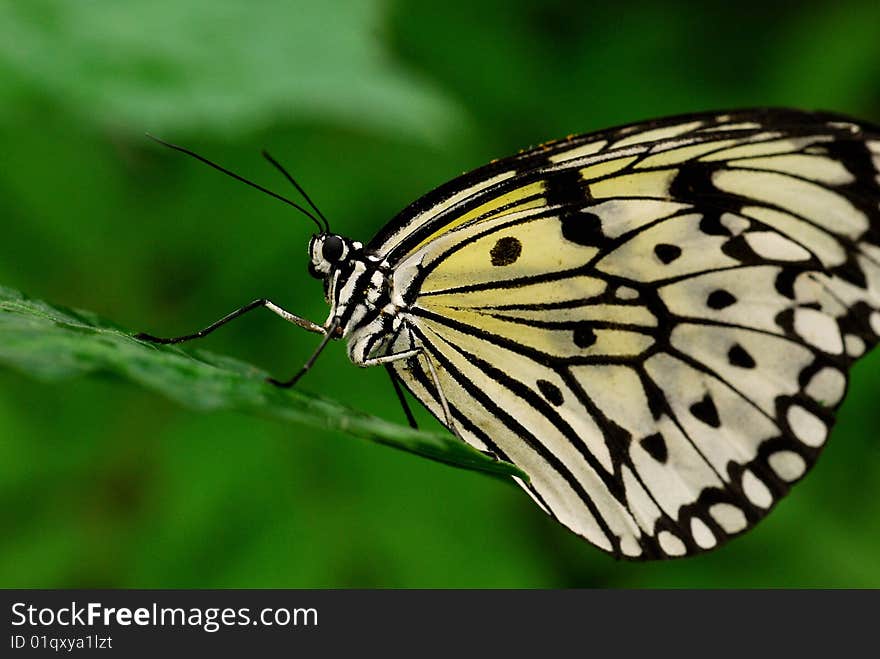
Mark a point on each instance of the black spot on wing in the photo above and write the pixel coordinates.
(583, 228)
(711, 225)
(785, 320)
(551, 392)
(657, 403)
(584, 336)
(738, 356)
(667, 253)
(785, 282)
(565, 187)
(720, 299)
(655, 446)
(706, 411)
(566, 190)
(738, 248)
(506, 251)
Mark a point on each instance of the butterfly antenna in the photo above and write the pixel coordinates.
(238, 178)
(290, 178)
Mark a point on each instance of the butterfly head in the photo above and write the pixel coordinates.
(327, 251)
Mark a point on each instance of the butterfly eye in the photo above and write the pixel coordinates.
(332, 249)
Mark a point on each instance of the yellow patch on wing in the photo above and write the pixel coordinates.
(430, 213)
(554, 341)
(548, 292)
(523, 198)
(604, 168)
(619, 314)
(542, 250)
(643, 184)
(466, 193)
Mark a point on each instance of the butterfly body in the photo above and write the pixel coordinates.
(655, 322)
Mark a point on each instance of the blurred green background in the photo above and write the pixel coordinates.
(371, 104)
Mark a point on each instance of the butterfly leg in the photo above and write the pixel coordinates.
(329, 334)
(395, 382)
(256, 304)
(447, 411)
(419, 352)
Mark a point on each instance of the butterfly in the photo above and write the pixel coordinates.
(653, 322)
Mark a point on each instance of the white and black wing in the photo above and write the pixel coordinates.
(655, 323)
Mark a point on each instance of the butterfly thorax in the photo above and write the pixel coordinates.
(357, 285)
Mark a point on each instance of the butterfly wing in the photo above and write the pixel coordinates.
(655, 322)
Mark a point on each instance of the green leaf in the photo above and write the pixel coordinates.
(50, 343)
(202, 65)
